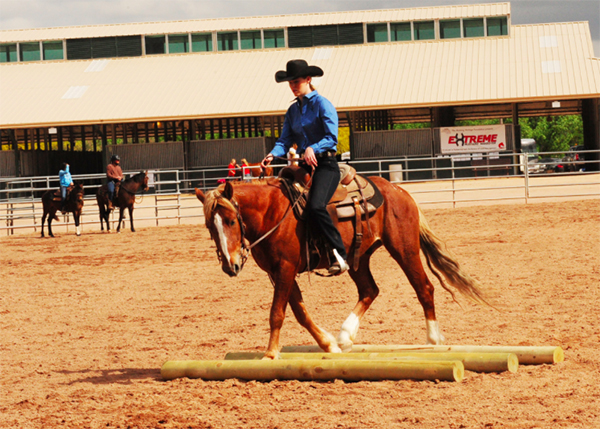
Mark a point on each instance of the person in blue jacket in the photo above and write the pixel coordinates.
(65, 181)
(312, 123)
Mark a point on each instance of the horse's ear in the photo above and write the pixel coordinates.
(228, 191)
(200, 195)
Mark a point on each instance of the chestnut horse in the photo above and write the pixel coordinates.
(255, 171)
(260, 214)
(125, 199)
(73, 204)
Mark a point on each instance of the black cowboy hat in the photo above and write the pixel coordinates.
(295, 69)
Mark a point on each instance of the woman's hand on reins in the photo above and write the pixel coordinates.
(310, 158)
(265, 162)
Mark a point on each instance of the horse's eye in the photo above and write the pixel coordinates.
(231, 223)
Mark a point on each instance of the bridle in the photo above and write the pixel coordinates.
(245, 249)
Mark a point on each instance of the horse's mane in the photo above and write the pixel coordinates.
(212, 201)
(138, 178)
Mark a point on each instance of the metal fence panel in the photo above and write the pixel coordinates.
(207, 153)
(8, 167)
(392, 143)
(148, 156)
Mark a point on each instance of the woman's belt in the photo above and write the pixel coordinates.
(326, 154)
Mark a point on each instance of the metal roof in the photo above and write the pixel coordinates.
(536, 62)
(249, 23)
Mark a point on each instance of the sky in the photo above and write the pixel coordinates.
(20, 14)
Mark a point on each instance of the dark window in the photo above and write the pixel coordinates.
(497, 26)
(178, 43)
(53, 51)
(377, 33)
(450, 29)
(424, 30)
(274, 38)
(250, 40)
(30, 51)
(227, 41)
(8, 53)
(325, 35)
(104, 47)
(300, 37)
(202, 42)
(473, 27)
(155, 45)
(79, 49)
(351, 34)
(400, 31)
(129, 46)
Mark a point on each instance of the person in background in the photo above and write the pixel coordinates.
(312, 123)
(246, 173)
(114, 175)
(292, 155)
(232, 169)
(66, 180)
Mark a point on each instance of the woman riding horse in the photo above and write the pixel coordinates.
(72, 204)
(125, 198)
(259, 214)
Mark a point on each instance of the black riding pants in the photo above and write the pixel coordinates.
(324, 183)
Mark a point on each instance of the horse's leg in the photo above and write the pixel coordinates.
(101, 214)
(367, 292)
(323, 338)
(131, 217)
(408, 257)
(44, 220)
(121, 213)
(76, 219)
(283, 284)
(51, 215)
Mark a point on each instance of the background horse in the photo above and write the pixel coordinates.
(125, 199)
(73, 204)
(255, 170)
(249, 212)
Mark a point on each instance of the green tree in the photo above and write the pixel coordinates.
(553, 134)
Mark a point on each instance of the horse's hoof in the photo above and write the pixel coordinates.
(270, 356)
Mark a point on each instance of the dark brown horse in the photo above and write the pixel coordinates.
(73, 204)
(236, 214)
(125, 198)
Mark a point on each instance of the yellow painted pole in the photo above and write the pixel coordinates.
(308, 370)
(477, 362)
(527, 355)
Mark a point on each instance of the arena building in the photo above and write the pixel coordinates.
(191, 94)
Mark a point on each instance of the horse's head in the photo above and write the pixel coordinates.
(77, 194)
(224, 221)
(145, 183)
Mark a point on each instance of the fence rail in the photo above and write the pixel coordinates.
(440, 182)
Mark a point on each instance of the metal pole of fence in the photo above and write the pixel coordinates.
(453, 184)
(525, 164)
(178, 199)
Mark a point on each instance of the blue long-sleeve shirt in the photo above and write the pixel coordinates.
(314, 123)
(65, 177)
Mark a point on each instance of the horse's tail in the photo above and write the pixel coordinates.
(436, 253)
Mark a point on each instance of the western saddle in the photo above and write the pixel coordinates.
(356, 197)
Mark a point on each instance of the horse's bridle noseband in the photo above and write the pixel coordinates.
(245, 249)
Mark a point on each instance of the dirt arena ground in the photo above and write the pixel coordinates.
(86, 323)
